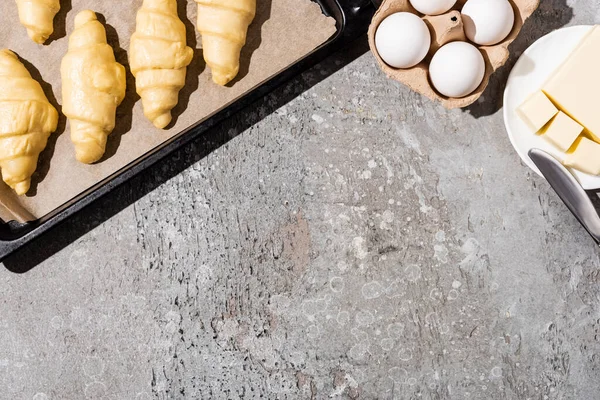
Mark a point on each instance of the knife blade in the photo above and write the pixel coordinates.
(569, 190)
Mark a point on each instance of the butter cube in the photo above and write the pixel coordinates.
(586, 157)
(537, 110)
(575, 86)
(562, 131)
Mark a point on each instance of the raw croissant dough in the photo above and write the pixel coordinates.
(93, 86)
(224, 26)
(38, 17)
(26, 121)
(159, 58)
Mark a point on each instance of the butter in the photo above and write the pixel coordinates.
(562, 131)
(585, 157)
(575, 86)
(537, 110)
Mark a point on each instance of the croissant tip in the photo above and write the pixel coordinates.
(84, 17)
(37, 36)
(22, 188)
(163, 120)
(221, 79)
(8, 53)
(88, 154)
(87, 158)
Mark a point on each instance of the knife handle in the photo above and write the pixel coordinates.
(569, 190)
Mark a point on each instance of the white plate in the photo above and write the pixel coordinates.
(530, 72)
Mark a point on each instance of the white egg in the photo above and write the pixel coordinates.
(488, 22)
(457, 69)
(402, 40)
(432, 7)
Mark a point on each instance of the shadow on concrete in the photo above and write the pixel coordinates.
(123, 196)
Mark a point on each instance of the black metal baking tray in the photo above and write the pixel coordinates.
(352, 20)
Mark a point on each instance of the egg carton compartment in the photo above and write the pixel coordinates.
(444, 29)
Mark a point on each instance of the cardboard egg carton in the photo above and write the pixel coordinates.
(444, 29)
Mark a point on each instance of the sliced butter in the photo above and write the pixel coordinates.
(585, 157)
(575, 86)
(537, 110)
(562, 131)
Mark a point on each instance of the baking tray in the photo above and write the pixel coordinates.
(352, 20)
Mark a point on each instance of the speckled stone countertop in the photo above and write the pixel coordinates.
(351, 240)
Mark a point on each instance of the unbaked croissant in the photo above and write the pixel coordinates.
(224, 26)
(26, 121)
(93, 86)
(38, 17)
(159, 57)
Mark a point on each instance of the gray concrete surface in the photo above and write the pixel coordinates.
(358, 241)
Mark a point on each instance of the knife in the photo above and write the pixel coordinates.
(569, 190)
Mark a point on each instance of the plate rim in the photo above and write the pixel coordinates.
(524, 157)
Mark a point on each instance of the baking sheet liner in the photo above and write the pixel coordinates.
(283, 32)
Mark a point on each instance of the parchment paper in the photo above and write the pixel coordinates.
(283, 32)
